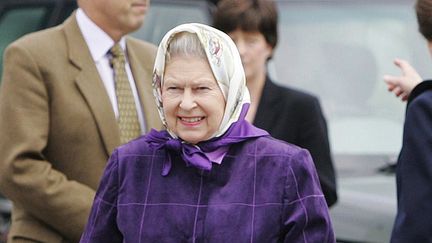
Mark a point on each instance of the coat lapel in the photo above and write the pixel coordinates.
(142, 73)
(91, 85)
(266, 116)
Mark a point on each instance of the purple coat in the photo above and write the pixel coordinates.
(265, 190)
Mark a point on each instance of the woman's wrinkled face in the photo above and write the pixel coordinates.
(192, 100)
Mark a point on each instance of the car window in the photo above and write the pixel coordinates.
(163, 16)
(339, 52)
(16, 22)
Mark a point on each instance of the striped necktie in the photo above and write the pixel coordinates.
(128, 118)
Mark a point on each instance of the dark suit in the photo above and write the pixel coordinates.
(414, 170)
(58, 129)
(296, 117)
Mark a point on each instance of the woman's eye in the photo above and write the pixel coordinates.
(203, 88)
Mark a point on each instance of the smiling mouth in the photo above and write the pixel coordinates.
(191, 119)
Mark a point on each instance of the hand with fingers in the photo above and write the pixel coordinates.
(402, 85)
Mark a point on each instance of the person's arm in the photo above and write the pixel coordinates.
(402, 85)
(102, 224)
(314, 137)
(414, 174)
(26, 177)
(305, 215)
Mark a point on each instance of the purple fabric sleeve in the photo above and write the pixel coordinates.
(305, 210)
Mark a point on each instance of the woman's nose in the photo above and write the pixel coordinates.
(188, 100)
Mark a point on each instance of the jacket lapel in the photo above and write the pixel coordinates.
(91, 85)
(141, 73)
(266, 116)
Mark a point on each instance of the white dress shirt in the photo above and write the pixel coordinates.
(99, 44)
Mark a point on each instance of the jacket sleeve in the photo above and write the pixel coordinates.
(306, 217)
(26, 177)
(102, 225)
(414, 174)
(314, 137)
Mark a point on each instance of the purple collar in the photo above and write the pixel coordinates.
(194, 155)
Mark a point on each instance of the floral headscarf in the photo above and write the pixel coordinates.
(225, 63)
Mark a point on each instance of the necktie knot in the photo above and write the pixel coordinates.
(117, 52)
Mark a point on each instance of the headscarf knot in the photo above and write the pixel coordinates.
(191, 154)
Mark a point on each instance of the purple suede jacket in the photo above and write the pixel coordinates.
(265, 190)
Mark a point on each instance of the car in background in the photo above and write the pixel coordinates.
(337, 50)
(19, 17)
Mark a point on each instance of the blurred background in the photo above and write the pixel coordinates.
(337, 50)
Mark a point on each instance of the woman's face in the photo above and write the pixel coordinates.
(192, 101)
(254, 51)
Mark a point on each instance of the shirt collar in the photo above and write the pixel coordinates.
(98, 42)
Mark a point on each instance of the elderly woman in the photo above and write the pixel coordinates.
(210, 176)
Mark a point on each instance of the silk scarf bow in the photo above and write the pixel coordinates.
(195, 155)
